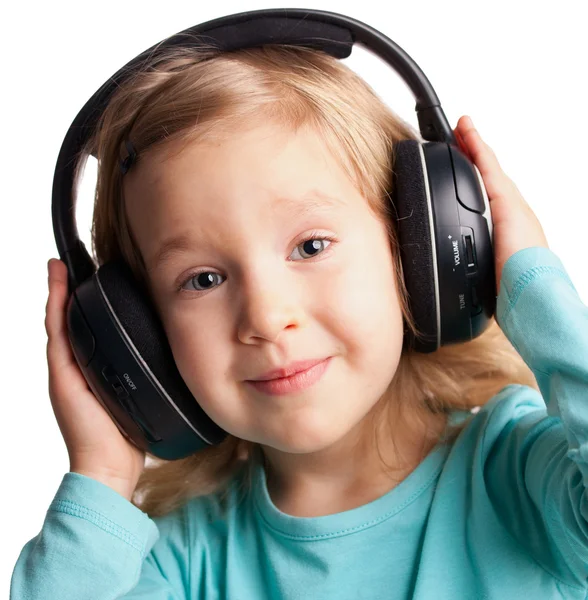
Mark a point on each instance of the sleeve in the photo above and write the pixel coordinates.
(96, 545)
(537, 468)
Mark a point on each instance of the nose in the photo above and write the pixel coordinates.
(269, 305)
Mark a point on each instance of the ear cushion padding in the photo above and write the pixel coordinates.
(138, 317)
(409, 196)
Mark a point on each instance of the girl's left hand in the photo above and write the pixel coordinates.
(515, 225)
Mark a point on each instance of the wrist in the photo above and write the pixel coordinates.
(121, 485)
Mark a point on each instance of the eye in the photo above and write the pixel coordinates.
(313, 246)
(204, 280)
(200, 282)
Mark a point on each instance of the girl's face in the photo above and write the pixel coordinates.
(254, 296)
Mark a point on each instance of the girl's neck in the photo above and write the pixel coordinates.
(348, 474)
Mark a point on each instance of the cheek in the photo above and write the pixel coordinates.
(373, 322)
(198, 343)
(364, 298)
(205, 362)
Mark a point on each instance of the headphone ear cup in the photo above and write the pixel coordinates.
(410, 190)
(132, 368)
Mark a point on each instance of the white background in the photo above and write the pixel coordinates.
(515, 67)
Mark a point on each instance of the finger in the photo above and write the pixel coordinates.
(462, 144)
(495, 180)
(56, 298)
(480, 151)
(59, 352)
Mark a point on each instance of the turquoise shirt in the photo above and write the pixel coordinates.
(499, 514)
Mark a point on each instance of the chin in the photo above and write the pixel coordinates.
(306, 440)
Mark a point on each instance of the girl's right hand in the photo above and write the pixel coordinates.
(95, 446)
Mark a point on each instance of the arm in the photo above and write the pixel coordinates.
(536, 469)
(96, 545)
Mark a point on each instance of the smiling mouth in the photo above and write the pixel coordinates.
(292, 369)
(296, 382)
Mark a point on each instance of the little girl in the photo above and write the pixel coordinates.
(256, 215)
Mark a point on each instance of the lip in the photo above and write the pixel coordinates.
(300, 380)
(292, 369)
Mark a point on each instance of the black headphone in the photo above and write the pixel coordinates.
(443, 221)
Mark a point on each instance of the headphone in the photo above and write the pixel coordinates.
(444, 227)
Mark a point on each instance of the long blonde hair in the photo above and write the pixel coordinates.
(194, 94)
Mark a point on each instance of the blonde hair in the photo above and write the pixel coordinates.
(201, 94)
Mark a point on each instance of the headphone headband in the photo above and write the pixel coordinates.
(332, 33)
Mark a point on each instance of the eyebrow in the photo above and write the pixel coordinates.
(313, 201)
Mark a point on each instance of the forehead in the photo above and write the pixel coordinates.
(182, 190)
(313, 203)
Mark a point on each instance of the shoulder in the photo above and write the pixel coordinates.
(515, 409)
(205, 516)
(512, 402)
